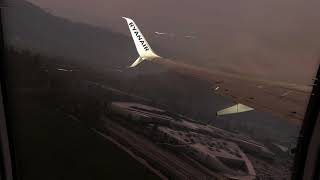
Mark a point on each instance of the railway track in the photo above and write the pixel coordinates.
(165, 162)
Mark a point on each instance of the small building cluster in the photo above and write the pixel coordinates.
(208, 146)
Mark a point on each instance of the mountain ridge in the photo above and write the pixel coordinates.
(27, 26)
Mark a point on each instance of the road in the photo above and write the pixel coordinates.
(166, 162)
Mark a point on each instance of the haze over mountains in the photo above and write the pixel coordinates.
(275, 40)
(29, 27)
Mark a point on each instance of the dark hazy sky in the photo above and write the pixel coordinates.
(265, 37)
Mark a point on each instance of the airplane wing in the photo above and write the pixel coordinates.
(278, 98)
(288, 101)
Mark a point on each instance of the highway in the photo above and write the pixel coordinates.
(167, 163)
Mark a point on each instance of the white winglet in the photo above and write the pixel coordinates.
(138, 61)
(143, 47)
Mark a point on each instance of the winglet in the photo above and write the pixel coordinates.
(141, 43)
(136, 62)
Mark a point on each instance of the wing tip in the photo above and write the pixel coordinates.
(126, 18)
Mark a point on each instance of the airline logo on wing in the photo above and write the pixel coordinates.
(142, 46)
(138, 35)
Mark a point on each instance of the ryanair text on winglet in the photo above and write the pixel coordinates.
(135, 31)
